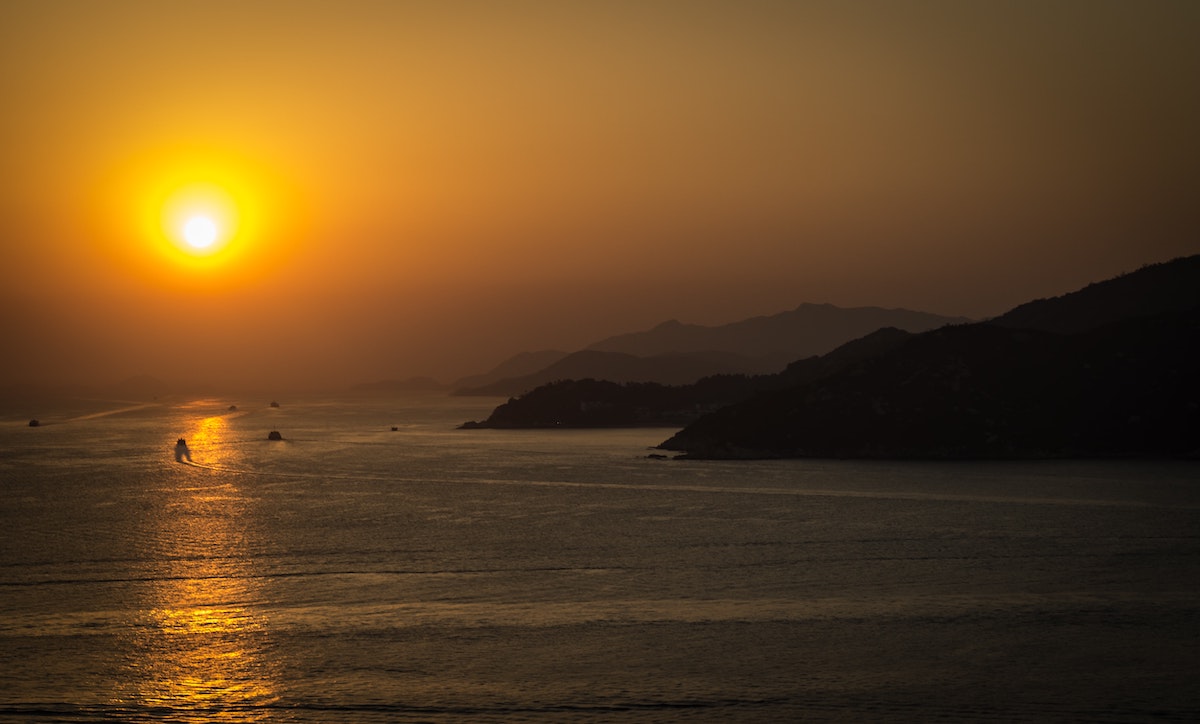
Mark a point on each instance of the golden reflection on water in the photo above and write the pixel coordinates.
(201, 653)
(208, 441)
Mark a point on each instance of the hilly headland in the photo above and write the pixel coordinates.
(1104, 371)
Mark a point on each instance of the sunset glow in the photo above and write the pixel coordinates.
(429, 188)
(200, 220)
(646, 360)
(186, 219)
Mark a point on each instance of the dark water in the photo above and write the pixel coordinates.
(352, 573)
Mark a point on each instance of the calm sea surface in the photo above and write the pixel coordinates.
(352, 573)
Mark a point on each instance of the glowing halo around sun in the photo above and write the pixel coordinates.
(197, 218)
(200, 220)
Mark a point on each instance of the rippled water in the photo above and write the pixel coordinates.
(352, 573)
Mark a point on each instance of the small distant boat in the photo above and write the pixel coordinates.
(274, 403)
(274, 435)
(233, 408)
(181, 451)
(34, 423)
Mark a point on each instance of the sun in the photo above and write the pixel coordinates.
(200, 221)
(199, 217)
(200, 232)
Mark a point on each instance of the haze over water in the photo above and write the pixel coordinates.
(354, 573)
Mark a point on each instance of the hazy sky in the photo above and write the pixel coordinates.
(428, 187)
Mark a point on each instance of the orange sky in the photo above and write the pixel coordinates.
(430, 187)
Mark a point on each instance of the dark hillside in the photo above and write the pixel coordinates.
(600, 403)
(1151, 290)
(983, 391)
(667, 369)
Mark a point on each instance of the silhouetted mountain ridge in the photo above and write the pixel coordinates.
(982, 391)
(517, 366)
(1154, 289)
(673, 369)
(1125, 386)
(1010, 388)
(589, 402)
(778, 339)
(678, 353)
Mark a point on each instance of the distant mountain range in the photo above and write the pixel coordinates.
(1108, 370)
(516, 367)
(677, 353)
(671, 369)
(778, 339)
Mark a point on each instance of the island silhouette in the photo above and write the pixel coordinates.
(1104, 371)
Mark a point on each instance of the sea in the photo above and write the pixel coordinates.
(379, 565)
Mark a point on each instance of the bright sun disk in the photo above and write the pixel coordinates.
(200, 232)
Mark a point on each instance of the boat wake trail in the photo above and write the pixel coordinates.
(118, 411)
